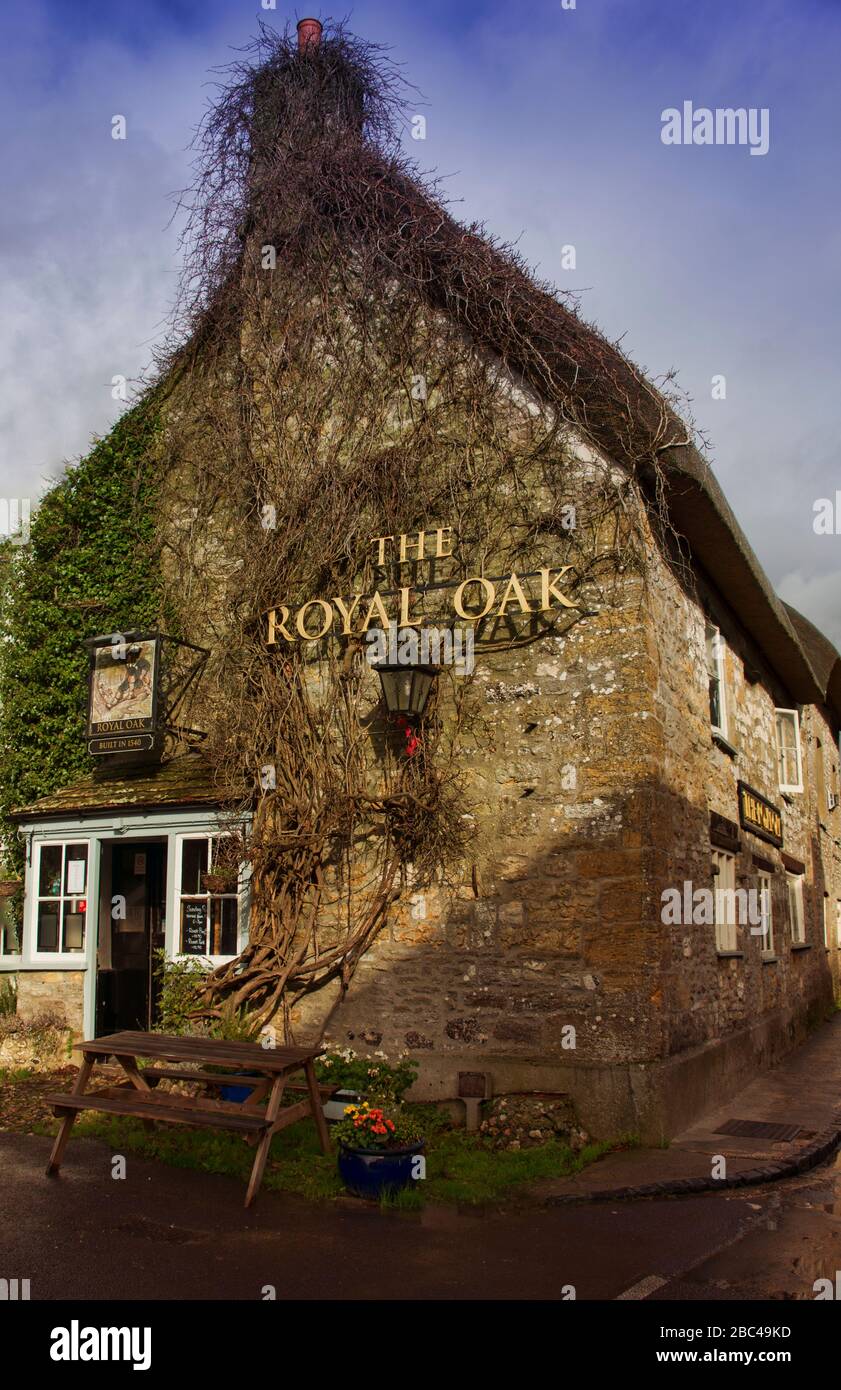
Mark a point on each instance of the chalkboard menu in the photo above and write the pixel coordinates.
(194, 928)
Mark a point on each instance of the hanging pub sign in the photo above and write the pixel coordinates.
(137, 682)
(759, 815)
(123, 693)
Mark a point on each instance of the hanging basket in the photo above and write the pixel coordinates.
(219, 883)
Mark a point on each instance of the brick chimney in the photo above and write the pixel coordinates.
(309, 34)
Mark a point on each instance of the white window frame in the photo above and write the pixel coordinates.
(787, 786)
(714, 633)
(766, 909)
(75, 960)
(726, 939)
(838, 922)
(796, 918)
(826, 921)
(238, 894)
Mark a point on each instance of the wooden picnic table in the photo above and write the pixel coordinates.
(265, 1070)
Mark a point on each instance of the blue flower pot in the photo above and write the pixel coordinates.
(239, 1094)
(371, 1172)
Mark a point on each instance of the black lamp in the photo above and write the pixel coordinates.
(406, 689)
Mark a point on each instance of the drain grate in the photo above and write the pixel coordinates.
(760, 1129)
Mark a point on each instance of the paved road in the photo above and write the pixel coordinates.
(165, 1233)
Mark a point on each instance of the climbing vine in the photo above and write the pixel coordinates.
(334, 390)
(89, 567)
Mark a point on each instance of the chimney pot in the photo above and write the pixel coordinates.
(309, 34)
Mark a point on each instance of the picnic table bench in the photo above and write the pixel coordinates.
(265, 1071)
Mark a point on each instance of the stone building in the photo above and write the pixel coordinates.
(648, 908)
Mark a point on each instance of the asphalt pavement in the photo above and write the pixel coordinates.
(169, 1233)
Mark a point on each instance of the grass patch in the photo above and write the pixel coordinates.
(296, 1163)
(460, 1168)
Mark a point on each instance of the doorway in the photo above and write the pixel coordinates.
(132, 929)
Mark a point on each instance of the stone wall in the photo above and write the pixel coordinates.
(589, 774)
(708, 996)
(58, 992)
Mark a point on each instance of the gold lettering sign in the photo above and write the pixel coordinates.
(474, 598)
(760, 816)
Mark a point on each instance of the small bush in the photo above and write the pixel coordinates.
(179, 983)
(368, 1076)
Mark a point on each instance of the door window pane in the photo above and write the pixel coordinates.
(76, 869)
(194, 927)
(193, 865)
(48, 924)
(223, 926)
(209, 922)
(49, 879)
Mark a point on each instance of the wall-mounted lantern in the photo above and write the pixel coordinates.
(406, 689)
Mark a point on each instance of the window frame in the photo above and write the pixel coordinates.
(714, 639)
(786, 786)
(726, 936)
(75, 958)
(237, 895)
(765, 883)
(825, 919)
(796, 881)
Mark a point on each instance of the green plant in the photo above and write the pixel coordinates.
(90, 565)
(8, 995)
(234, 1025)
(370, 1127)
(368, 1076)
(179, 988)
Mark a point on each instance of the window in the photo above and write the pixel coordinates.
(724, 893)
(766, 913)
(794, 889)
(715, 674)
(838, 922)
(208, 911)
(826, 922)
(61, 875)
(790, 769)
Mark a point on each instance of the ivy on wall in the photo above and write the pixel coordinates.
(90, 566)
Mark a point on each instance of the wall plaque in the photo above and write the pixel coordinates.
(760, 816)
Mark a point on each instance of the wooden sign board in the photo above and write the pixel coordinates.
(760, 816)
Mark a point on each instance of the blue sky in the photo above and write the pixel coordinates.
(545, 123)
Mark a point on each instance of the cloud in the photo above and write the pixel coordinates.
(700, 258)
(818, 596)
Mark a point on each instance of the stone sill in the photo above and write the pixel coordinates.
(66, 964)
(730, 955)
(724, 744)
(770, 960)
(801, 946)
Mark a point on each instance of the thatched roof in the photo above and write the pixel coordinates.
(372, 196)
(501, 306)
